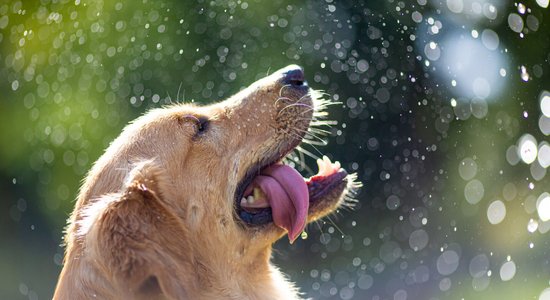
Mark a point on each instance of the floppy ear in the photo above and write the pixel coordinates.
(137, 240)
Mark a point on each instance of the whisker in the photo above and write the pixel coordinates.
(281, 89)
(322, 106)
(297, 157)
(282, 98)
(178, 94)
(311, 134)
(317, 222)
(317, 121)
(169, 98)
(318, 142)
(335, 226)
(313, 142)
(306, 152)
(307, 110)
(303, 163)
(324, 122)
(319, 131)
(306, 96)
(315, 148)
(320, 113)
(296, 104)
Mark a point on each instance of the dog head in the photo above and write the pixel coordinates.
(217, 171)
(216, 157)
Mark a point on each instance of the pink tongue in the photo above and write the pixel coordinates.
(288, 197)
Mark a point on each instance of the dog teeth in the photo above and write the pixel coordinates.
(258, 193)
(247, 201)
(326, 167)
(255, 202)
(321, 165)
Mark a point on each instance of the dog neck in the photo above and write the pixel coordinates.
(207, 279)
(233, 277)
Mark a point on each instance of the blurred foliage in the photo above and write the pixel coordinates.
(411, 123)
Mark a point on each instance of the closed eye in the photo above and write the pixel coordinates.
(202, 125)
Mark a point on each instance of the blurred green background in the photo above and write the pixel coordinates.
(444, 114)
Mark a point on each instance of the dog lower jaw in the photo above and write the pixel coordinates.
(331, 195)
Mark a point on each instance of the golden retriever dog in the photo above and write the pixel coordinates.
(187, 202)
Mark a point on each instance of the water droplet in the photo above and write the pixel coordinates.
(512, 155)
(490, 39)
(481, 87)
(515, 22)
(532, 225)
(445, 284)
(383, 95)
(4, 21)
(416, 16)
(507, 271)
(447, 262)
(479, 265)
(524, 75)
(467, 168)
(543, 155)
(527, 148)
(418, 239)
(532, 23)
(400, 295)
(479, 107)
(543, 206)
(544, 124)
(481, 283)
(456, 6)
(432, 51)
(537, 171)
(365, 282)
(393, 202)
(474, 191)
(502, 72)
(496, 212)
(545, 103)
(521, 8)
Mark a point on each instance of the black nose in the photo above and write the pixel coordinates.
(294, 75)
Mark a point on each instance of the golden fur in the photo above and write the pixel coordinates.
(155, 217)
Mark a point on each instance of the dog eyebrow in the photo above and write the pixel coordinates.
(190, 117)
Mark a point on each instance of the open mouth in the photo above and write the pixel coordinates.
(277, 193)
(274, 193)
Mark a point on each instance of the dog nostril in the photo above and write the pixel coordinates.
(294, 76)
(296, 82)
